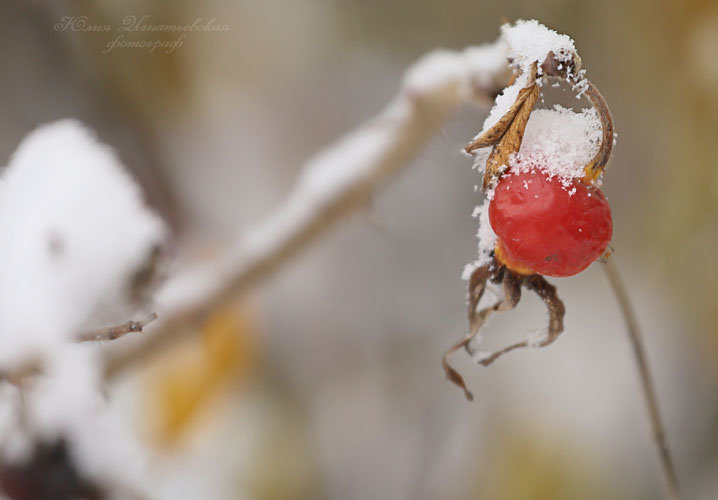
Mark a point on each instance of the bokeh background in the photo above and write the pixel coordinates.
(325, 383)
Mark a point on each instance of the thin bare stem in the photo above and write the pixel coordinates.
(649, 393)
(115, 332)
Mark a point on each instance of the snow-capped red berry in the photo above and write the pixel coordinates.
(549, 226)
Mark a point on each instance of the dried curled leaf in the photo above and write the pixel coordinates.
(495, 132)
(507, 133)
(510, 143)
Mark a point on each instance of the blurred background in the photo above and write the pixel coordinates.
(326, 382)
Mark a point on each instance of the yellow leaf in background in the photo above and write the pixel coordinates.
(187, 381)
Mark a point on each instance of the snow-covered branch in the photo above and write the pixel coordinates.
(333, 184)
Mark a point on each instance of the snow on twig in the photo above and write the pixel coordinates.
(333, 184)
(75, 231)
(76, 237)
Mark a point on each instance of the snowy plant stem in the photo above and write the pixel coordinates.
(336, 183)
(649, 393)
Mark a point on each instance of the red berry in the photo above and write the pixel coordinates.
(546, 227)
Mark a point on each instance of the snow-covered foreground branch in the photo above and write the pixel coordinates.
(333, 184)
(80, 248)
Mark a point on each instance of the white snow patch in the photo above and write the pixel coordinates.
(530, 41)
(483, 66)
(486, 235)
(74, 230)
(559, 142)
(68, 403)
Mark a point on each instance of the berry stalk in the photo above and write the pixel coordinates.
(649, 393)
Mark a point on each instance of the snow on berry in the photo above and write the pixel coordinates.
(559, 142)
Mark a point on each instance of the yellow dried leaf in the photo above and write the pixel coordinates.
(186, 382)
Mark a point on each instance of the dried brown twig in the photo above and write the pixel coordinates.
(33, 367)
(115, 332)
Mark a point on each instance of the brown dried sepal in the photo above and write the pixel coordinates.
(507, 133)
(511, 284)
(510, 143)
(595, 167)
(496, 132)
(569, 70)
